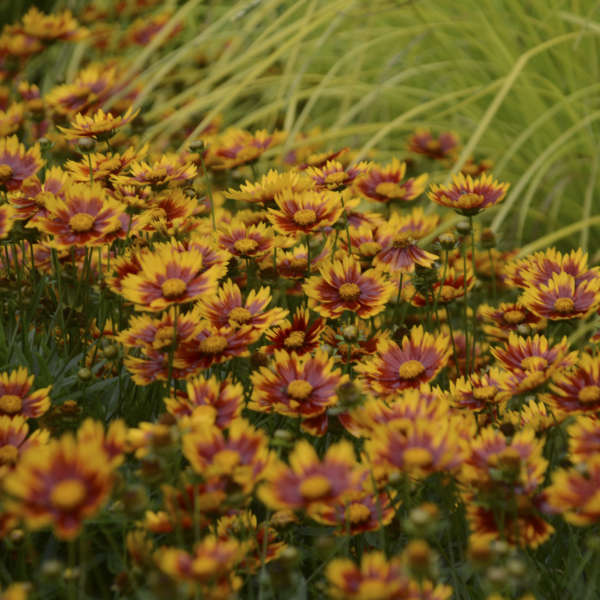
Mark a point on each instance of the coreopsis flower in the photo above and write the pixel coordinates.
(298, 335)
(293, 263)
(7, 219)
(224, 397)
(480, 390)
(499, 321)
(468, 196)
(86, 216)
(355, 341)
(17, 397)
(531, 361)
(104, 166)
(99, 126)
(270, 185)
(169, 169)
(143, 30)
(236, 147)
(341, 286)
(168, 212)
(61, 486)
(244, 241)
(418, 359)
(113, 440)
(310, 484)
(521, 526)
(584, 438)
(575, 492)
(534, 415)
(385, 184)
(305, 212)
(474, 168)
(211, 566)
(577, 389)
(59, 26)
(333, 175)
(298, 386)
(422, 142)
(229, 308)
(16, 163)
(562, 298)
(15, 439)
(241, 456)
(11, 119)
(416, 447)
(442, 292)
(170, 275)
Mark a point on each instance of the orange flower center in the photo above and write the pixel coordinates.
(469, 200)
(356, 512)
(564, 305)
(433, 145)
(213, 344)
(10, 404)
(390, 189)
(487, 392)
(240, 314)
(8, 455)
(349, 292)
(81, 222)
(6, 172)
(411, 369)
(68, 494)
(246, 246)
(514, 316)
(173, 287)
(295, 339)
(509, 458)
(417, 457)
(299, 389)
(589, 393)
(315, 486)
(534, 363)
(369, 248)
(305, 216)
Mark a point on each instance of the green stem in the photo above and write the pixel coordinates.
(465, 307)
(474, 352)
(209, 191)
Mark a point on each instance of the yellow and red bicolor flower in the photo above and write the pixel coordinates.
(385, 184)
(16, 163)
(468, 196)
(298, 386)
(418, 359)
(442, 147)
(499, 321)
(341, 286)
(169, 169)
(269, 186)
(334, 176)
(480, 390)
(99, 126)
(15, 440)
(298, 335)
(246, 241)
(17, 397)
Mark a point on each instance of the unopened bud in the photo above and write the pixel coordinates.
(447, 240)
(488, 239)
(463, 227)
(86, 145)
(84, 374)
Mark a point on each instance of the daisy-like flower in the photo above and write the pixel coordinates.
(86, 216)
(224, 397)
(11, 119)
(418, 359)
(211, 566)
(531, 361)
(575, 492)
(17, 397)
(480, 391)
(305, 212)
(99, 126)
(170, 275)
(270, 185)
(298, 387)
(104, 166)
(443, 292)
(16, 163)
(59, 26)
(416, 447)
(237, 147)
(423, 142)
(169, 169)
(241, 456)
(341, 286)
(584, 439)
(499, 321)
(168, 212)
(144, 29)
(385, 184)
(576, 390)
(15, 440)
(333, 175)
(562, 298)
(468, 196)
(228, 308)
(534, 415)
(310, 484)
(7, 219)
(293, 264)
(298, 335)
(61, 486)
(244, 241)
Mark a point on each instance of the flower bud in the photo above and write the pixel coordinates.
(86, 145)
